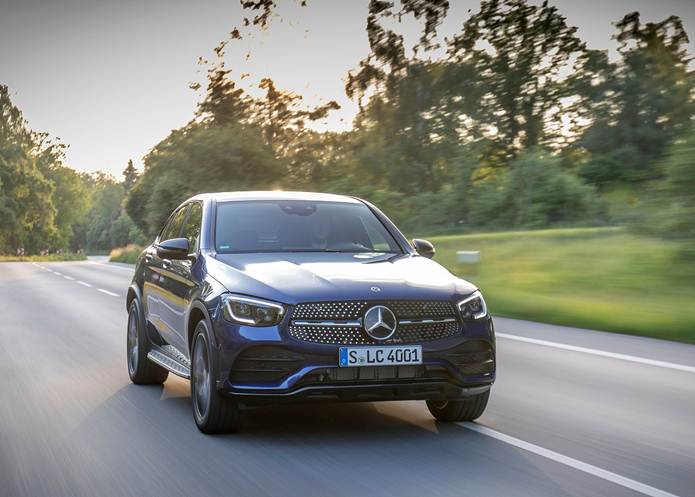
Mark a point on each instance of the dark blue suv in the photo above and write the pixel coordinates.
(264, 297)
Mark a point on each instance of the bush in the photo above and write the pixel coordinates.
(535, 193)
(668, 210)
(128, 254)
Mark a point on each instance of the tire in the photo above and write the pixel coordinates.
(212, 411)
(141, 370)
(467, 409)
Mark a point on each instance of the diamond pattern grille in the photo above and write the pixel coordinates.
(302, 326)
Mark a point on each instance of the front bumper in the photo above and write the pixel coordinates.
(361, 393)
(265, 365)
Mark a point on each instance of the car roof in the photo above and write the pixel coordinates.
(275, 195)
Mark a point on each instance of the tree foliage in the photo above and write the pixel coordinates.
(195, 159)
(650, 103)
(511, 122)
(45, 205)
(38, 198)
(670, 207)
(516, 53)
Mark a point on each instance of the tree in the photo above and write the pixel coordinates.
(200, 157)
(71, 201)
(401, 142)
(651, 102)
(669, 209)
(279, 115)
(130, 175)
(27, 213)
(388, 58)
(509, 73)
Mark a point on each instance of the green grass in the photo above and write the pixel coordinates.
(128, 254)
(42, 258)
(600, 278)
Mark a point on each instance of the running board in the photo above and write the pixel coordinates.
(164, 359)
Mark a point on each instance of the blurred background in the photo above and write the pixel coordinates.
(555, 139)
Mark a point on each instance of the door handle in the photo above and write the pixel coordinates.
(148, 258)
(166, 263)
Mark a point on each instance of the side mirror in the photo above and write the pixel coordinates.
(424, 248)
(174, 249)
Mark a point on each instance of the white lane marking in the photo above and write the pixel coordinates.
(57, 273)
(602, 353)
(107, 292)
(569, 461)
(111, 265)
(69, 278)
(84, 284)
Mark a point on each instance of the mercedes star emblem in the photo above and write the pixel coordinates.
(380, 322)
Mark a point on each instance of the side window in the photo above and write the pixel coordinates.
(191, 229)
(173, 227)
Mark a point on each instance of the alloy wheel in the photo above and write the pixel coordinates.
(201, 377)
(133, 345)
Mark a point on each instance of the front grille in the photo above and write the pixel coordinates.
(426, 332)
(340, 323)
(347, 310)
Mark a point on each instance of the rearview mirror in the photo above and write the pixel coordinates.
(424, 248)
(174, 249)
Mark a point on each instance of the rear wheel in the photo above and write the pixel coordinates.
(466, 409)
(141, 370)
(213, 412)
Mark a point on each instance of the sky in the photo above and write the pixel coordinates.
(111, 78)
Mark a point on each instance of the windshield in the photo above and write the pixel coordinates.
(299, 226)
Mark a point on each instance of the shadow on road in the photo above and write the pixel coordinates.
(142, 440)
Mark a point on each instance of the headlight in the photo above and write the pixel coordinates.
(252, 312)
(473, 306)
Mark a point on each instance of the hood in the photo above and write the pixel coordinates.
(291, 278)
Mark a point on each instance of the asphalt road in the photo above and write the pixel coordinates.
(573, 413)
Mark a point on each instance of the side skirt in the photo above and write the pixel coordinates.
(171, 359)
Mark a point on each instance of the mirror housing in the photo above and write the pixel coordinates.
(423, 247)
(173, 249)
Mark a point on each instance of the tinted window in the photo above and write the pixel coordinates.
(173, 227)
(298, 226)
(191, 229)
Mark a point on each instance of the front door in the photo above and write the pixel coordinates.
(181, 284)
(169, 311)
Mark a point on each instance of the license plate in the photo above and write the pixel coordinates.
(379, 356)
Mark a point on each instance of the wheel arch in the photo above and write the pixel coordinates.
(133, 293)
(198, 312)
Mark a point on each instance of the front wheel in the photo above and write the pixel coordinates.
(213, 412)
(467, 409)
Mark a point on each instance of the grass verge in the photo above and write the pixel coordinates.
(128, 254)
(600, 278)
(42, 258)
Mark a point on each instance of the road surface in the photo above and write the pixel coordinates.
(573, 413)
